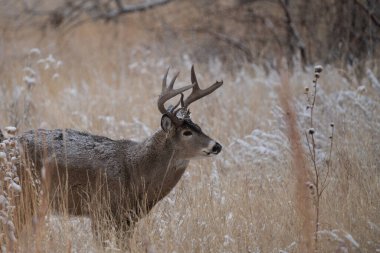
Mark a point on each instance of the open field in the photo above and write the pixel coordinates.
(243, 200)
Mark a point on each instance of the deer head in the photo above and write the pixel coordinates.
(188, 139)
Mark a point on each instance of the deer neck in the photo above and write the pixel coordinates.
(161, 151)
(159, 165)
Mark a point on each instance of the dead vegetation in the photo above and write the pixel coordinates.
(245, 200)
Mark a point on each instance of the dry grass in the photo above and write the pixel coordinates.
(242, 201)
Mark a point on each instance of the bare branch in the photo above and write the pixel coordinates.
(368, 12)
(133, 8)
(71, 12)
(293, 31)
(228, 40)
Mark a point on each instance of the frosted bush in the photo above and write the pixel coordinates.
(9, 189)
(345, 241)
(258, 147)
(271, 146)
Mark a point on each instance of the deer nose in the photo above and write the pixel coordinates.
(216, 148)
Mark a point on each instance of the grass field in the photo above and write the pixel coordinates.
(244, 200)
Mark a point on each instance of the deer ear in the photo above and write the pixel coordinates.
(166, 123)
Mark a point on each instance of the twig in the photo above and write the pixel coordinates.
(368, 12)
(71, 11)
(133, 8)
(293, 31)
(325, 182)
(228, 40)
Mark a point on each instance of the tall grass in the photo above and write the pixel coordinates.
(243, 200)
(300, 169)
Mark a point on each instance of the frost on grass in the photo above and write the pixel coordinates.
(259, 147)
(264, 145)
(267, 144)
(344, 240)
(74, 232)
(9, 189)
(373, 80)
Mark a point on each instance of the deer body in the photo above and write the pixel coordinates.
(135, 175)
(141, 169)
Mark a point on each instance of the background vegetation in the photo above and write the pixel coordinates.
(71, 64)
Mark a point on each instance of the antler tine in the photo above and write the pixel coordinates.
(198, 93)
(164, 80)
(168, 92)
(173, 80)
(179, 102)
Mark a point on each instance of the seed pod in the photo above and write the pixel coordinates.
(15, 187)
(12, 143)
(11, 130)
(318, 69)
(3, 156)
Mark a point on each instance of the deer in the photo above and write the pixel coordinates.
(136, 175)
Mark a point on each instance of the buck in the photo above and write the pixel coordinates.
(136, 175)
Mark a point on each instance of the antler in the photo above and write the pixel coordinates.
(197, 93)
(167, 93)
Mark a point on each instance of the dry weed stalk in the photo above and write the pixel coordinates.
(22, 105)
(320, 176)
(23, 200)
(301, 170)
(9, 191)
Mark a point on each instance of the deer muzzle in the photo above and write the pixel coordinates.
(213, 148)
(216, 148)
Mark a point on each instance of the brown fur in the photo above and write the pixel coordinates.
(136, 174)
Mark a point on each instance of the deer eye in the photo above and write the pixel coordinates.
(187, 133)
